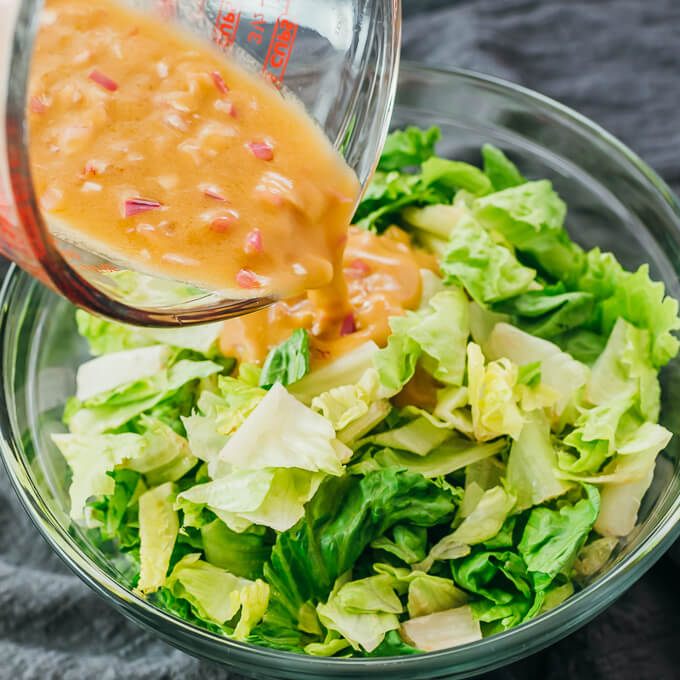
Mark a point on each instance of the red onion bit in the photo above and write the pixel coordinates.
(357, 269)
(135, 206)
(219, 82)
(247, 279)
(262, 150)
(348, 325)
(37, 104)
(212, 193)
(223, 223)
(253, 242)
(103, 80)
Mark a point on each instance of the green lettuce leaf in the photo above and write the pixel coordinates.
(404, 148)
(487, 518)
(349, 369)
(363, 626)
(217, 596)
(448, 176)
(91, 458)
(344, 517)
(442, 630)
(560, 372)
(532, 465)
(623, 370)
(488, 271)
(454, 454)
(242, 554)
(110, 410)
(408, 543)
(500, 169)
(288, 362)
(281, 432)
(550, 312)
(553, 538)
(158, 529)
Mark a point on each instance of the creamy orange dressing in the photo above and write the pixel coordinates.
(161, 155)
(382, 279)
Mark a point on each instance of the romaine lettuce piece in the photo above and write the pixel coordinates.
(216, 595)
(487, 518)
(342, 519)
(491, 393)
(288, 362)
(348, 403)
(408, 545)
(281, 432)
(633, 297)
(347, 370)
(454, 454)
(442, 630)
(158, 529)
(559, 371)
(109, 410)
(165, 457)
(438, 220)
(448, 176)
(430, 594)
(355, 430)
(593, 557)
(105, 337)
(487, 270)
(90, 458)
(500, 169)
(623, 371)
(266, 497)
(553, 538)
(366, 627)
(404, 148)
(419, 436)
(532, 465)
(242, 554)
(107, 372)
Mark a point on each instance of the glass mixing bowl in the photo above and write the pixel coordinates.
(614, 200)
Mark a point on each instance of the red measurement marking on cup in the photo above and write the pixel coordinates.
(226, 24)
(280, 48)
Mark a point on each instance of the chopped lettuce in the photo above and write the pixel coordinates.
(559, 371)
(487, 270)
(158, 529)
(532, 465)
(288, 362)
(442, 630)
(362, 611)
(111, 409)
(491, 392)
(347, 370)
(105, 337)
(281, 432)
(411, 146)
(90, 459)
(217, 596)
(500, 169)
(316, 508)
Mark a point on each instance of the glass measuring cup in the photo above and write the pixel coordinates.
(339, 58)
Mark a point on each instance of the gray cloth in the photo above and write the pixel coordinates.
(616, 61)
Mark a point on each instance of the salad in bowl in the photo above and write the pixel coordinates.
(463, 454)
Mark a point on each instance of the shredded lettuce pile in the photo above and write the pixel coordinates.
(305, 511)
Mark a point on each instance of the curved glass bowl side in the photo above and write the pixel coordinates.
(611, 195)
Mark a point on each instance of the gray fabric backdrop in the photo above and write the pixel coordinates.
(618, 62)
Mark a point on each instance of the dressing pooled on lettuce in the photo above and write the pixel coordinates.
(464, 453)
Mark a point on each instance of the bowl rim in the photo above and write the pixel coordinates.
(492, 652)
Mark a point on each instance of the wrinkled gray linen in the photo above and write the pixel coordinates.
(616, 61)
